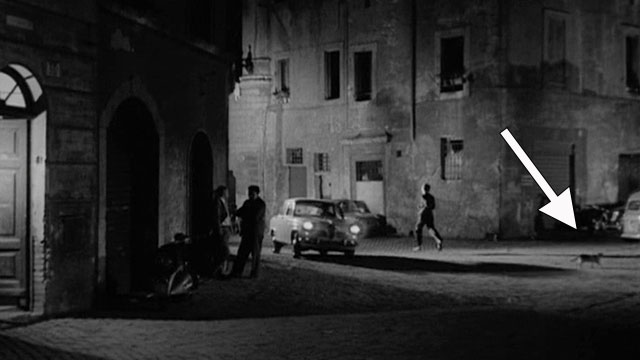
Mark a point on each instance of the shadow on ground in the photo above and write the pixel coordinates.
(282, 289)
(12, 348)
(604, 255)
(402, 264)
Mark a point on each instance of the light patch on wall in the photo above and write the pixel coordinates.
(19, 22)
(335, 124)
(53, 69)
(121, 42)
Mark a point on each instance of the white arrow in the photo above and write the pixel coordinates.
(559, 207)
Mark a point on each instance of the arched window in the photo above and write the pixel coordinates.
(20, 91)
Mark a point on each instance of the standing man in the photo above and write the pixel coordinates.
(251, 213)
(426, 219)
(221, 228)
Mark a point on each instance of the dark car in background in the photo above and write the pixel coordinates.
(357, 211)
(600, 217)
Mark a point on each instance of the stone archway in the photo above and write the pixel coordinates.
(131, 198)
(134, 88)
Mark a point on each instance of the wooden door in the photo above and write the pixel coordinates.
(369, 184)
(297, 181)
(553, 159)
(13, 207)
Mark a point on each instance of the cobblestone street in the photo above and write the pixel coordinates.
(524, 300)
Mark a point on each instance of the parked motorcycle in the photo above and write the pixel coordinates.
(174, 273)
(176, 270)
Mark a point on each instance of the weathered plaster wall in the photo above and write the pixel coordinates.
(301, 32)
(594, 110)
(506, 88)
(189, 89)
(101, 48)
(59, 32)
(248, 117)
(468, 207)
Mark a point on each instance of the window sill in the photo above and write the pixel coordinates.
(454, 94)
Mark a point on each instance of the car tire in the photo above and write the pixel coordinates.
(323, 253)
(295, 239)
(350, 253)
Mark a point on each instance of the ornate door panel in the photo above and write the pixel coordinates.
(13, 207)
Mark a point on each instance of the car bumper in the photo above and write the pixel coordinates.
(635, 236)
(312, 243)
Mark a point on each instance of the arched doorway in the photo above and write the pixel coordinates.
(201, 185)
(131, 198)
(22, 140)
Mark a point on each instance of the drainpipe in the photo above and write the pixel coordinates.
(346, 185)
(414, 37)
(413, 116)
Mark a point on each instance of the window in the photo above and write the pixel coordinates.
(282, 77)
(451, 158)
(321, 162)
(18, 95)
(555, 47)
(314, 208)
(369, 170)
(452, 64)
(294, 156)
(632, 62)
(331, 75)
(362, 75)
(10, 92)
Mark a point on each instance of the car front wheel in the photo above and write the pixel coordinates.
(297, 252)
(349, 253)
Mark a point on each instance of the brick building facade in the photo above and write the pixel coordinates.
(371, 99)
(113, 128)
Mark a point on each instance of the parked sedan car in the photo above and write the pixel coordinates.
(310, 224)
(631, 218)
(358, 212)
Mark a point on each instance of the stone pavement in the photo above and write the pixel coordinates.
(420, 334)
(406, 306)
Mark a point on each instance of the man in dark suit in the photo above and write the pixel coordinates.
(252, 227)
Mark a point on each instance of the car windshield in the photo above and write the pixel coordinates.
(354, 206)
(634, 205)
(314, 208)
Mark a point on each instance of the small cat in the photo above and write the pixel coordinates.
(586, 258)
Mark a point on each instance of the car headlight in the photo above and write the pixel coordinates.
(307, 225)
(355, 229)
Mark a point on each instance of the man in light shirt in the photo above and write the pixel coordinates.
(221, 229)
